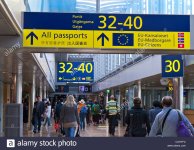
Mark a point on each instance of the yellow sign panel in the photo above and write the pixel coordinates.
(141, 40)
(106, 39)
(58, 38)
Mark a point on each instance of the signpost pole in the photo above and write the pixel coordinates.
(181, 93)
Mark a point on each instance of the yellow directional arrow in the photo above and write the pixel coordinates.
(60, 78)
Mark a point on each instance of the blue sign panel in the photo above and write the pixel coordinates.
(172, 66)
(75, 72)
(114, 22)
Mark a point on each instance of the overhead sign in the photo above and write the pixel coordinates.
(172, 66)
(75, 72)
(109, 31)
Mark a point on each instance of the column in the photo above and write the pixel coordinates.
(139, 89)
(97, 6)
(106, 98)
(44, 89)
(112, 92)
(178, 91)
(40, 89)
(176, 101)
(13, 89)
(118, 96)
(33, 95)
(131, 94)
(19, 84)
(8, 98)
(1, 109)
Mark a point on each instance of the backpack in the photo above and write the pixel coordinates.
(96, 109)
(137, 123)
(84, 110)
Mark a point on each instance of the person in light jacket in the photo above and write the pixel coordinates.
(170, 125)
(69, 116)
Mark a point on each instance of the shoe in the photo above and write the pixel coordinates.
(34, 131)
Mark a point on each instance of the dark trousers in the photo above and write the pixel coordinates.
(112, 119)
(37, 123)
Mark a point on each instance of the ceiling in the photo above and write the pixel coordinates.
(5, 25)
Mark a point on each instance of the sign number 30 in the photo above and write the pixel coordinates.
(173, 66)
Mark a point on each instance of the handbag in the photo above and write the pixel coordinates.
(182, 129)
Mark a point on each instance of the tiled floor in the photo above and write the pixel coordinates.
(90, 131)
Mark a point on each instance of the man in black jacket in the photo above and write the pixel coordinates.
(137, 120)
(40, 109)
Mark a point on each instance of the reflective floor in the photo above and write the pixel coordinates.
(90, 131)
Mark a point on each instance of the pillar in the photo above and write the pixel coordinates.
(106, 98)
(139, 89)
(97, 6)
(175, 93)
(112, 92)
(8, 98)
(19, 84)
(118, 97)
(45, 89)
(40, 88)
(131, 94)
(13, 89)
(178, 90)
(33, 95)
(1, 109)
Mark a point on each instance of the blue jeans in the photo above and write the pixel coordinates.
(48, 121)
(37, 122)
(82, 120)
(70, 132)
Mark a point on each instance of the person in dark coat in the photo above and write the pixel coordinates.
(157, 107)
(39, 114)
(137, 120)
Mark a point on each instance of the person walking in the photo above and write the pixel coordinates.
(166, 122)
(82, 111)
(137, 120)
(40, 109)
(48, 114)
(112, 111)
(95, 113)
(157, 108)
(69, 116)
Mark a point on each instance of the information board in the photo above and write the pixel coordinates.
(75, 72)
(108, 31)
(172, 66)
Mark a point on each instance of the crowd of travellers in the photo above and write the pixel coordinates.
(71, 117)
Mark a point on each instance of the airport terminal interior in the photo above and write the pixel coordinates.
(89, 74)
